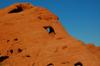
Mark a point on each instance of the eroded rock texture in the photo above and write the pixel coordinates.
(33, 36)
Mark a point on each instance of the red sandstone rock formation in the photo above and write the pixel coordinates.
(33, 36)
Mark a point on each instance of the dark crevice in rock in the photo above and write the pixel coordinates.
(50, 64)
(16, 39)
(2, 58)
(19, 50)
(16, 10)
(11, 51)
(49, 29)
(28, 56)
(8, 41)
(78, 64)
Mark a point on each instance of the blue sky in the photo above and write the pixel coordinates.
(81, 18)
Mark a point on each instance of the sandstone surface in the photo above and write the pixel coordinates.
(33, 36)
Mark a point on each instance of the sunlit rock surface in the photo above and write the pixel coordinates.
(33, 36)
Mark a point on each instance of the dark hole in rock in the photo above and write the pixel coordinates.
(49, 29)
(28, 56)
(50, 64)
(11, 51)
(2, 58)
(16, 10)
(19, 50)
(16, 39)
(8, 41)
(78, 64)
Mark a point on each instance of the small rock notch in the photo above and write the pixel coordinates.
(49, 29)
(20, 7)
(78, 64)
(16, 10)
(2, 58)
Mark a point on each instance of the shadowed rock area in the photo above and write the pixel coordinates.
(33, 36)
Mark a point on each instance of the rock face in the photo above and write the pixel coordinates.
(33, 36)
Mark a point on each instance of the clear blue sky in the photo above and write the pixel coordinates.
(81, 18)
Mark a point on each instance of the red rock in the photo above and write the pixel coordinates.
(33, 36)
(94, 49)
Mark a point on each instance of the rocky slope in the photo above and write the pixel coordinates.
(33, 36)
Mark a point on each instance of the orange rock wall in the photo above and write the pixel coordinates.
(33, 36)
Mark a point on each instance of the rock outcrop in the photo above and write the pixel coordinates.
(33, 36)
